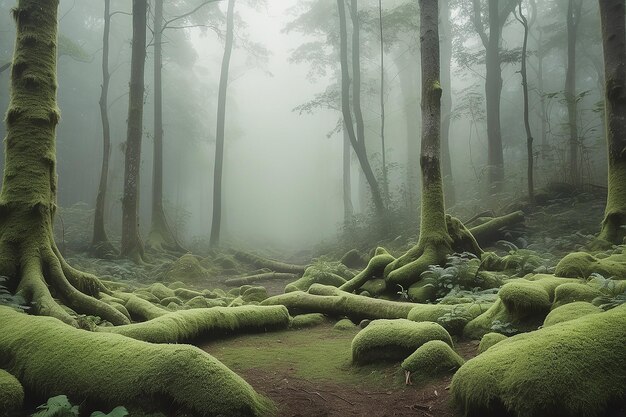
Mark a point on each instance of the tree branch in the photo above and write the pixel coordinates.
(182, 16)
(477, 20)
(5, 67)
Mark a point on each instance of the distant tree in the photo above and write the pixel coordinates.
(216, 222)
(613, 14)
(573, 18)
(132, 245)
(446, 103)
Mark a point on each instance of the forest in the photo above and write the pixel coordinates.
(306, 208)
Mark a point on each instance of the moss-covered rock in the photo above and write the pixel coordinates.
(307, 320)
(572, 369)
(571, 292)
(11, 394)
(570, 311)
(392, 340)
(452, 317)
(188, 325)
(315, 275)
(187, 269)
(583, 264)
(253, 294)
(202, 302)
(524, 297)
(345, 324)
(169, 300)
(489, 340)
(433, 358)
(110, 369)
(160, 291)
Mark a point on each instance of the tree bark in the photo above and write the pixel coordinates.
(348, 208)
(28, 254)
(446, 104)
(5, 67)
(382, 101)
(132, 246)
(161, 236)
(573, 19)
(612, 14)
(529, 135)
(101, 246)
(357, 144)
(216, 223)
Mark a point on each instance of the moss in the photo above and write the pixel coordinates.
(141, 309)
(257, 294)
(572, 369)
(353, 259)
(582, 265)
(344, 325)
(176, 285)
(307, 320)
(392, 340)
(271, 264)
(11, 394)
(202, 302)
(524, 297)
(265, 276)
(315, 275)
(160, 291)
(433, 358)
(186, 294)
(499, 318)
(452, 317)
(169, 300)
(82, 363)
(188, 325)
(489, 340)
(187, 269)
(570, 311)
(571, 292)
(148, 296)
(375, 269)
(374, 287)
(422, 292)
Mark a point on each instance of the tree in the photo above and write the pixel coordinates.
(446, 104)
(612, 13)
(497, 16)
(132, 246)
(382, 100)
(573, 21)
(29, 255)
(100, 243)
(216, 222)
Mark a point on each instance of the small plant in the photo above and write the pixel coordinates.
(503, 328)
(116, 412)
(58, 406)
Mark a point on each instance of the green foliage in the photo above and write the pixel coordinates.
(58, 406)
(116, 412)
(505, 328)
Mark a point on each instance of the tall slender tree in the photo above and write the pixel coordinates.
(132, 245)
(101, 246)
(216, 223)
(446, 102)
(613, 14)
(573, 19)
(382, 100)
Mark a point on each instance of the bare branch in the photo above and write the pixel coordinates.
(182, 16)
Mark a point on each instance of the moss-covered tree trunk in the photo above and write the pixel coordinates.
(529, 135)
(434, 241)
(161, 237)
(101, 246)
(446, 104)
(612, 13)
(28, 254)
(216, 222)
(573, 19)
(132, 246)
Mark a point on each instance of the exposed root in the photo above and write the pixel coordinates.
(276, 266)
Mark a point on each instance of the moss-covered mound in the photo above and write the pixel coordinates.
(570, 311)
(344, 325)
(522, 296)
(393, 340)
(321, 273)
(452, 317)
(571, 292)
(307, 320)
(110, 369)
(583, 264)
(489, 340)
(433, 358)
(11, 394)
(572, 369)
(187, 269)
(187, 325)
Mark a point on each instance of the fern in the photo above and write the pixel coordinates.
(58, 406)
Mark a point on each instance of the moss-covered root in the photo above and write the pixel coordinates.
(315, 275)
(453, 317)
(489, 340)
(582, 265)
(407, 269)
(268, 276)
(492, 230)
(374, 269)
(11, 394)
(570, 311)
(392, 340)
(303, 321)
(572, 369)
(140, 309)
(335, 303)
(81, 363)
(275, 266)
(431, 359)
(189, 325)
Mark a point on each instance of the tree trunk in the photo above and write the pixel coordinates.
(348, 208)
(434, 241)
(101, 246)
(357, 144)
(529, 135)
(612, 13)
(28, 254)
(132, 246)
(573, 18)
(382, 101)
(221, 123)
(161, 237)
(446, 105)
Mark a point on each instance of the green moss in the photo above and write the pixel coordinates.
(59, 358)
(139, 308)
(160, 291)
(176, 285)
(375, 269)
(422, 292)
(168, 300)
(307, 320)
(572, 369)
(524, 297)
(315, 275)
(452, 317)
(271, 264)
(344, 325)
(148, 296)
(353, 259)
(489, 340)
(500, 319)
(11, 394)
(257, 294)
(186, 294)
(571, 292)
(187, 269)
(582, 265)
(202, 302)
(392, 340)
(374, 287)
(570, 311)
(433, 358)
(188, 325)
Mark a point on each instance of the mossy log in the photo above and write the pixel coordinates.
(11, 394)
(571, 369)
(491, 231)
(337, 303)
(583, 264)
(375, 269)
(112, 370)
(393, 340)
(570, 311)
(268, 276)
(188, 325)
(271, 264)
